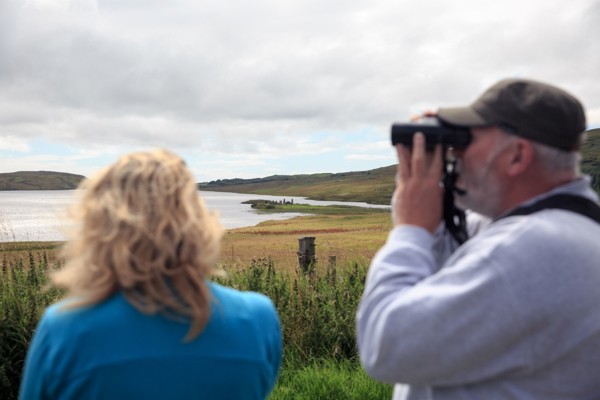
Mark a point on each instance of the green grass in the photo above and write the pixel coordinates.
(316, 311)
(22, 301)
(329, 380)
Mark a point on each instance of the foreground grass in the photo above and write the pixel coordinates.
(329, 380)
(316, 311)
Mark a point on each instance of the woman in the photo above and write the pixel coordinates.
(141, 320)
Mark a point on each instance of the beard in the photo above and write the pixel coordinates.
(482, 192)
(482, 187)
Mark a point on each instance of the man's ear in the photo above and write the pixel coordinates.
(520, 157)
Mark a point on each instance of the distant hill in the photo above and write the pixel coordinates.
(39, 180)
(374, 186)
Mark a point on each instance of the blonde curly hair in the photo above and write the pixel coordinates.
(141, 228)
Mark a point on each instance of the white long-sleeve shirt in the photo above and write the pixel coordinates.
(514, 313)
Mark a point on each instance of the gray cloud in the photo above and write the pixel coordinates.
(203, 74)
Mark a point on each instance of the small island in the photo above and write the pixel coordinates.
(273, 206)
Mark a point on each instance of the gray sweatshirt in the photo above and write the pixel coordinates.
(514, 313)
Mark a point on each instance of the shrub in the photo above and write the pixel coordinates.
(22, 301)
(316, 311)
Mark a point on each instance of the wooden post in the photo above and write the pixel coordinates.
(306, 253)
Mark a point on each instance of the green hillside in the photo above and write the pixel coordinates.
(374, 186)
(39, 180)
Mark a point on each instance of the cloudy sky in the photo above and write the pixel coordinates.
(251, 88)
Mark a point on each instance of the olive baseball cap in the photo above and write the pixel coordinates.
(527, 108)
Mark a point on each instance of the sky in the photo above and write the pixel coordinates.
(253, 88)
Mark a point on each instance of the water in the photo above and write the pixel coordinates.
(40, 215)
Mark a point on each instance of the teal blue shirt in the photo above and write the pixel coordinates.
(112, 351)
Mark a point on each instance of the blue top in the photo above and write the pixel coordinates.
(113, 351)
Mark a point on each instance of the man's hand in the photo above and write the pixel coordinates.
(418, 197)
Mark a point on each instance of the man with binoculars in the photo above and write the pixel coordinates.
(501, 307)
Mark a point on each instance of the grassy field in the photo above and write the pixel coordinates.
(346, 236)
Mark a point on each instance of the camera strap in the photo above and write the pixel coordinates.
(577, 204)
(454, 218)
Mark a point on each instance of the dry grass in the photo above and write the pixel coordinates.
(15, 250)
(348, 237)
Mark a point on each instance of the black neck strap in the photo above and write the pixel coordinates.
(454, 218)
(577, 204)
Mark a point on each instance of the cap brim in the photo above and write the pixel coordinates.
(461, 116)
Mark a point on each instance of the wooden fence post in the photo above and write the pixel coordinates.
(306, 254)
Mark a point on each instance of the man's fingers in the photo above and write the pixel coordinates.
(403, 170)
(417, 162)
(418, 155)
